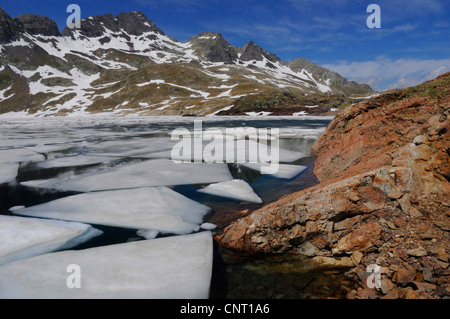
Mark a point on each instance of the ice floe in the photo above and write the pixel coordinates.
(152, 208)
(70, 161)
(159, 172)
(208, 226)
(8, 172)
(22, 237)
(285, 171)
(177, 267)
(14, 208)
(9, 141)
(236, 189)
(20, 155)
(226, 149)
(128, 147)
(147, 233)
(51, 148)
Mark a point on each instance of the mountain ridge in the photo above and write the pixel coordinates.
(117, 64)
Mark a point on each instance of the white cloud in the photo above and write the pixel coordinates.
(385, 73)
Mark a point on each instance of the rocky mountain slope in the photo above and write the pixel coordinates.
(125, 64)
(383, 198)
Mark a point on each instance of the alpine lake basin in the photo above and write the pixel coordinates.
(234, 275)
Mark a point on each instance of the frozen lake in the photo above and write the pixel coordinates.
(117, 177)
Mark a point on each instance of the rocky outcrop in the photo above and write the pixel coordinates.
(9, 28)
(12, 28)
(384, 197)
(213, 47)
(38, 25)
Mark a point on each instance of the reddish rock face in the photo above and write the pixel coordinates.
(370, 134)
(384, 168)
(359, 239)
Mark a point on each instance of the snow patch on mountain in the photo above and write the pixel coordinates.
(74, 72)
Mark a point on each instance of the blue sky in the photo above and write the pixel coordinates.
(412, 45)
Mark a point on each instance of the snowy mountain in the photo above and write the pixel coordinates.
(125, 64)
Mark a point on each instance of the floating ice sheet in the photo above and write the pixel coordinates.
(8, 141)
(51, 148)
(230, 150)
(285, 171)
(152, 208)
(22, 237)
(177, 267)
(70, 161)
(160, 172)
(236, 189)
(20, 155)
(8, 172)
(129, 147)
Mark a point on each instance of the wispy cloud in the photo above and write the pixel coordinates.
(385, 73)
(258, 31)
(421, 7)
(173, 4)
(407, 27)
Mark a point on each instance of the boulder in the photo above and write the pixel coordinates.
(417, 252)
(404, 276)
(367, 167)
(384, 171)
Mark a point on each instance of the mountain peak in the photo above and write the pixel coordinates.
(38, 25)
(252, 51)
(213, 47)
(134, 23)
(210, 35)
